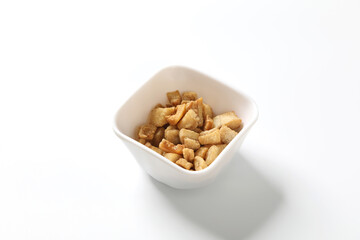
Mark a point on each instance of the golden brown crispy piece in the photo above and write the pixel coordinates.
(172, 156)
(192, 96)
(227, 134)
(210, 137)
(188, 154)
(159, 151)
(209, 123)
(174, 97)
(142, 140)
(228, 119)
(189, 121)
(172, 134)
(191, 143)
(168, 146)
(186, 133)
(158, 115)
(199, 163)
(189, 105)
(213, 152)
(207, 111)
(180, 112)
(159, 105)
(197, 106)
(158, 136)
(147, 131)
(201, 152)
(183, 163)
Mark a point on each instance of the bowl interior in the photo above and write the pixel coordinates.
(218, 95)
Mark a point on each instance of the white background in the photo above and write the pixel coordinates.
(66, 67)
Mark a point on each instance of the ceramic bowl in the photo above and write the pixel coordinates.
(219, 96)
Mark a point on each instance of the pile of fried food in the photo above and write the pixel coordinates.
(186, 131)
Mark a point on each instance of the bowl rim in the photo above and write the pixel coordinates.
(213, 165)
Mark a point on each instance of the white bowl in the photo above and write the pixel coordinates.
(219, 96)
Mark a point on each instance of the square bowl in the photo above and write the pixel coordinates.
(219, 96)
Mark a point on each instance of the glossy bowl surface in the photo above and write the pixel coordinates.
(219, 96)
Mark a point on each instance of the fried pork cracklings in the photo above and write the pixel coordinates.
(187, 132)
